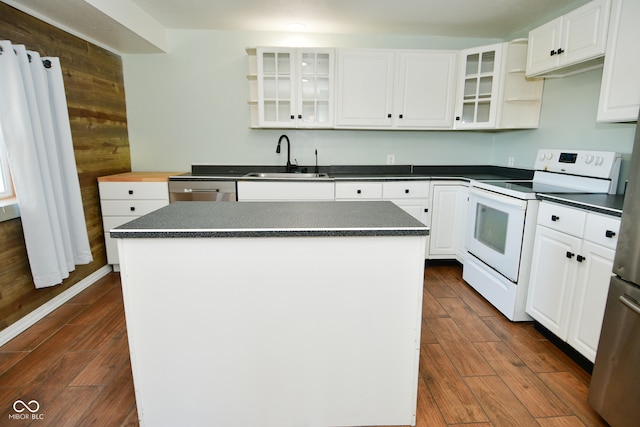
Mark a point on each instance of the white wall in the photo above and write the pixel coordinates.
(190, 106)
(567, 120)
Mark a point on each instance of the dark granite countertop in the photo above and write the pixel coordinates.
(609, 204)
(206, 172)
(273, 219)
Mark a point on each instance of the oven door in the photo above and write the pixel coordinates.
(495, 230)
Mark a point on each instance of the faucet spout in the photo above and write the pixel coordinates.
(290, 167)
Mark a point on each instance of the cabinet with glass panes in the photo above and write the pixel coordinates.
(493, 91)
(294, 87)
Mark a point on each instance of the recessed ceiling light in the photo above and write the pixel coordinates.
(296, 26)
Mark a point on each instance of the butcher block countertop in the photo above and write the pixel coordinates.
(139, 177)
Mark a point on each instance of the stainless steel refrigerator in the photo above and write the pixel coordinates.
(615, 384)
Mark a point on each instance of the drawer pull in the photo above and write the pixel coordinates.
(406, 191)
(555, 218)
(132, 208)
(610, 234)
(580, 258)
(359, 191)
(130, 191)
(570, 254)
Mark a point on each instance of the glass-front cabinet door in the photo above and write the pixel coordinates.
(478, 84)
(275, 95)
(295, 87)
(315, 88)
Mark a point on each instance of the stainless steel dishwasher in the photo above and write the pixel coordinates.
(193, 190)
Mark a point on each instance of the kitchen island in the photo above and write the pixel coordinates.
(274, 314)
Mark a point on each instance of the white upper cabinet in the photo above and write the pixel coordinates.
(478, 87)
(365, 88)
(395, 89)
(425, 89)
(571, 43)
(620, 90)
(295, 87)
(493, 91)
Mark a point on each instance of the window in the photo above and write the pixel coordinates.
(6, 188)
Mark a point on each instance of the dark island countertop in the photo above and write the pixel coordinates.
(273, 219)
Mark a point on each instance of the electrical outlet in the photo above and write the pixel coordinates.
(391, 159)
(510, 161)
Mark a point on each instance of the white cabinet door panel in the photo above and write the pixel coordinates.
(542, 41)
(584, 36)
(620, 90)
(552, 280)
(365, 88)
(590, 296)
(285, 191)
(426, 93)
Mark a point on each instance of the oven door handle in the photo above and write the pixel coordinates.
(499, 198)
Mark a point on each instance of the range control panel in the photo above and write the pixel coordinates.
(597, 164)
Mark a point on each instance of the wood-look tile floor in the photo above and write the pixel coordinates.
(476, 367)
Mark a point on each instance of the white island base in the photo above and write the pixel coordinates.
(274, 331)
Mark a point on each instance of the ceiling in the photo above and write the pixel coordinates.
(138, 26)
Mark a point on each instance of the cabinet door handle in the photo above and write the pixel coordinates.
(293, 117)
(406, 191)
(426, 210)
(132, 208)
(554, 218)
(570, 254)
(580, 258)
(389, 115)
(552, 53)
(401, 115)
(458, 118)
(560, 50)
(610, 234)
(300, 116)
(130, 191)
(359, 191)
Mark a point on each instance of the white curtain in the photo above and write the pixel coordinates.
(35, 129)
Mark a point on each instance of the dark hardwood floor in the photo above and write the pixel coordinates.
(476, 367)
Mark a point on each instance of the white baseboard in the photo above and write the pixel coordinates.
(15, 329)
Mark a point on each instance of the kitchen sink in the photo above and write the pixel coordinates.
(286, 175)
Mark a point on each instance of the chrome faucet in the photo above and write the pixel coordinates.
(290, 167)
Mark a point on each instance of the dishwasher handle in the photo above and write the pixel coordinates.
(196, 190)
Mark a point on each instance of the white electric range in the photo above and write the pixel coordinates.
(502, 217)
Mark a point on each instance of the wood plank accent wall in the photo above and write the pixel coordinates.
(96, 100)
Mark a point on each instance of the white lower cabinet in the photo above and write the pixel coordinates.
(271, 191)
(124, 201)
(448, 220)
(358, 190)
(570, 272)
(411, 196)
